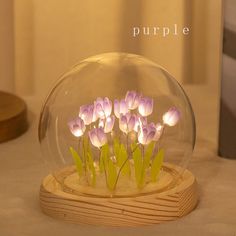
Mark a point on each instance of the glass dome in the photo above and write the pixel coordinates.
(117, 124)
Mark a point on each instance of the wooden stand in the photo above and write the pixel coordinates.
(137, 210)
(13, 116)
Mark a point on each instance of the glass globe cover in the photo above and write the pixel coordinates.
(117, 124)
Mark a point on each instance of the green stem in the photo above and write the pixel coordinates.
(142, 151)
(155, 150)
(122, 166)
(85, 161)
(127, 142)
(79, 144)
(158, 143)
(160, 139)
(105, 171)
(119, 172)
(135, 148)
(143, 167)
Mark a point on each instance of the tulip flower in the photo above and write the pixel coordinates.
(103, 107)
(97, 137)
(107, 124)
(77, 127)
(145, 106)
(146, 134)
(120, 108)
(139, 121)
(171, 117)
(159, 130)
(127, 122)
(132, 99)
(87, 114)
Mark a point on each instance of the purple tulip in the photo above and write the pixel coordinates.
(97, 137)
(132, 99)
(171, 117)
(146, 134)
(127, 122)
(145, 106)
(159, 130)
(139, 121)
(77, 127)
(103, 107)
(107, 124)
(120, 108)
(87, 114)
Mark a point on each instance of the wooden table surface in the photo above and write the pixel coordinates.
(22, 169)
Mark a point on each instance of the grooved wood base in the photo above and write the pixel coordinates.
(152, 208)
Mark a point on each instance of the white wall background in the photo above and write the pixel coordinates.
(52, 35)
(6, 46)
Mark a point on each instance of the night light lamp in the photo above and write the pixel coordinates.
(117, 132)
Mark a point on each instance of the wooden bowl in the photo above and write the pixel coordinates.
(13, 116)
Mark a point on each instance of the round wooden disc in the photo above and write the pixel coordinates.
(13, 116)
(152, 208)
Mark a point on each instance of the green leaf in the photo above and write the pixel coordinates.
(156, 165)
(77, 160)
(138, 167)
(101, 165)
(116, 146)
(133, 146)
(148, 154)
(92, 170)
(122, 158)
(87, 146)
(111, 175)
(85, 142)
(104, 157)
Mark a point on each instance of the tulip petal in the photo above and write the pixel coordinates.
(146, 134)
(103, 107)
(117, 108)
(109, 124)
(97, 137)
(101, 136)
(107, 106)
(141, 107)
(123, 124)
(123, 107)
(131, 123)
(159, 130)
(145, 106)
(149, 106)
(150, 136)
(132, 99)
(171, 117)
(77, 127)
(86, 113)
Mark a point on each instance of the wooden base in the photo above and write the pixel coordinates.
(13, 116)
(137, 210)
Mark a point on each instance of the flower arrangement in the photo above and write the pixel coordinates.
(121, 142)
